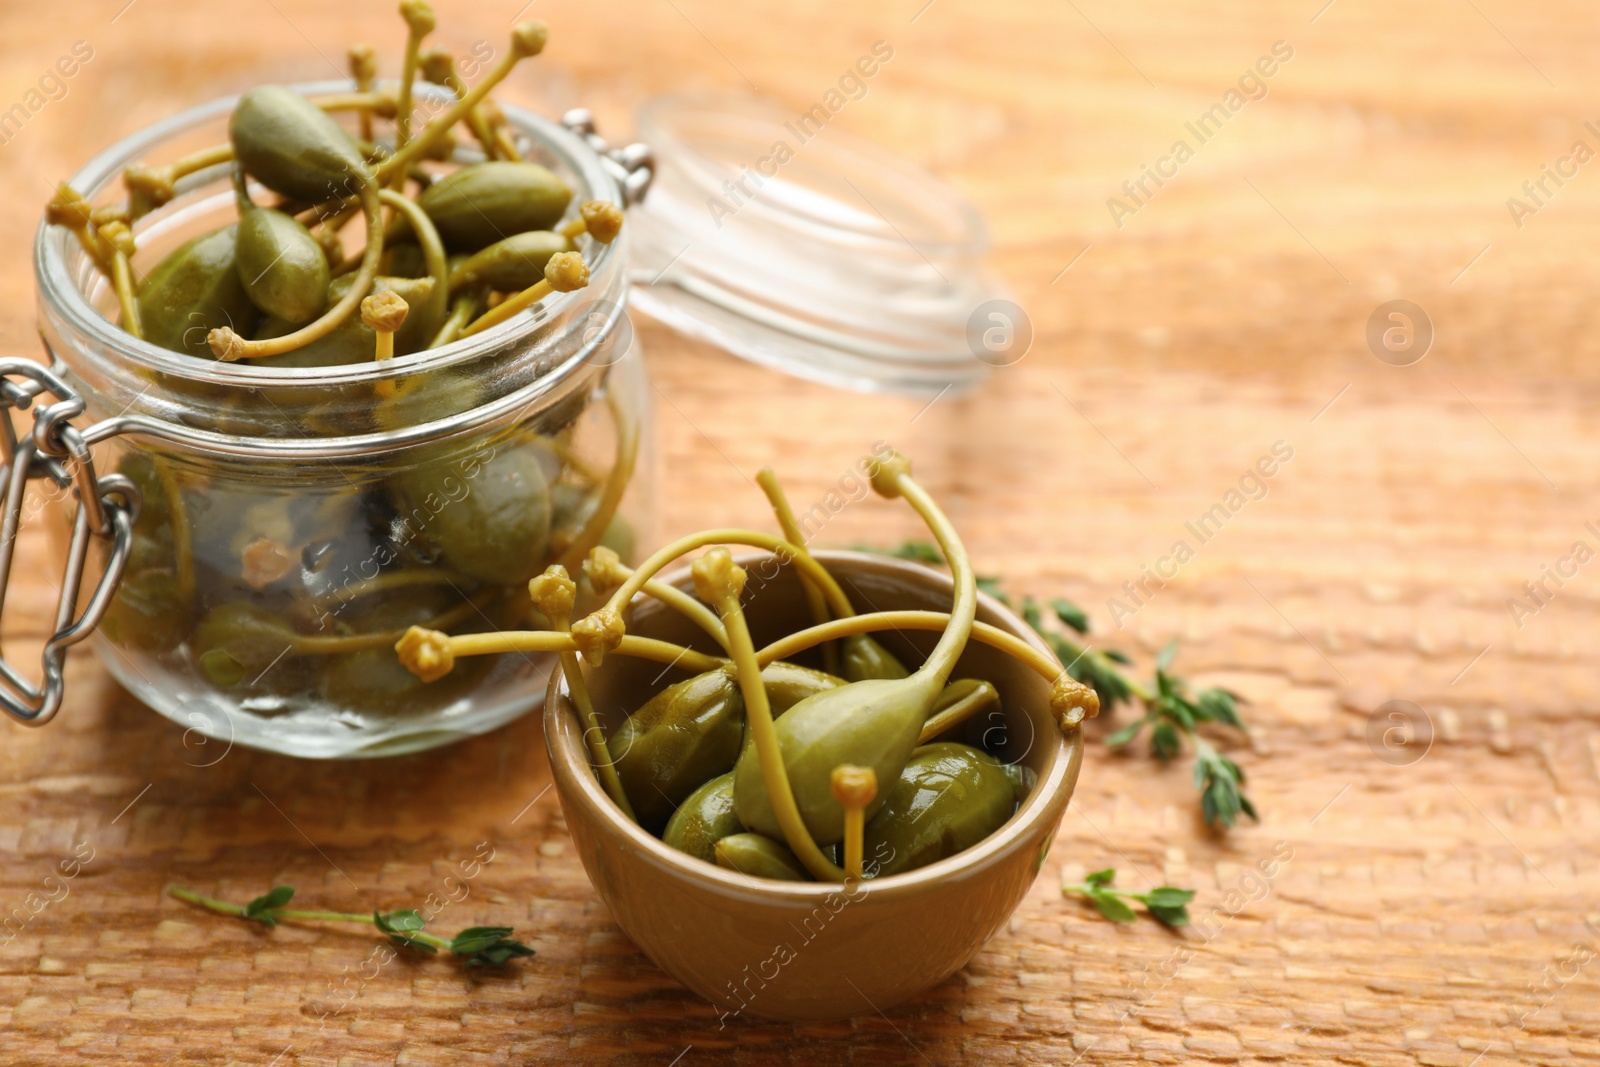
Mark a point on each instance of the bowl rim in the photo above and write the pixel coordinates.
(571, 771)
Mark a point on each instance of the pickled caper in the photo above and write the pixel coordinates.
(705, 818)
(281, 266)
(237, 640)
(148, 611)
(759, 857)
(487, 513)
(511, 264)
(291, 146)
(947, 799)
(682, 736)
(862, 657)
(194, 290)
(485, 202)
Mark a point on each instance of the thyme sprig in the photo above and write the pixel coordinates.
(1166, 904)
(1173, 709)
(480, 946)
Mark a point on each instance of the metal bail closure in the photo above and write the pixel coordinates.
(106, 507)
(633, 166)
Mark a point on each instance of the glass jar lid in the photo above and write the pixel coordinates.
(807, 250)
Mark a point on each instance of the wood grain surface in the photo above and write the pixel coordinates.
(1442, 912)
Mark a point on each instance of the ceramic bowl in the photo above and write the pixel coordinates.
(813, 951)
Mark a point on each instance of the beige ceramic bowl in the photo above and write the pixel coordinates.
(785, 950)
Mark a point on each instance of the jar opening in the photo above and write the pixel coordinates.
(517, 362)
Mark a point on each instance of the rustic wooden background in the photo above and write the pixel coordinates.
(1441, 912)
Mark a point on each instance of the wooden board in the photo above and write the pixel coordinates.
(1436, 913)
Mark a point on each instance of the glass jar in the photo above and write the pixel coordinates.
(293, 522)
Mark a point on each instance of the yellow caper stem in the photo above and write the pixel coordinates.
(433, 255)
(649, 648)
(325, 646)
(626, 427)
(594, 736)
(418, 146)
(461, 312)
(229, 345)
(758, 715)
(182, 537)
(685, 605)
(854, 788)
(961, 700)
(942, 660)
(855, 824)
(418, 19)
(784, 550)
(787, 647)
(362, 67)
(127, 299)
(499, 128)
(510, 306)
(476, 122)
(768, 481)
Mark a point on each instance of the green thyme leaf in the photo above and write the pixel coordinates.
(499, 953)
(399, 925)
(1070, 615)
(1105, 877)
(477, 938)
(1167, 896)
(261, 908)
(1112, 908)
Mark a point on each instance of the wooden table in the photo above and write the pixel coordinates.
(1441, 912)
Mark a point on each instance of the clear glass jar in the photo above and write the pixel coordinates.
(295, 521)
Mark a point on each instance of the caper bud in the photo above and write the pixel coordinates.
(862, 657)
(147, 612)
(281, 266)
(511, 264)
(238, 640)
(194, 290)
(487, 512)
(292, 147)
(759, 857)
(685, 734)
(705, 818)
(485, 202)
(948, 798)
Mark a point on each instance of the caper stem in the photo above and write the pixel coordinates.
(429, 134)
(363, 66)
(510, 306)
(181, 537)
(787, 647)
(784, 550)
(558, 609)
(432, 249)
(127, 299)
(461, 312)
(315, 645)
(500, 130)
(768, 481)
(380, 583)
(627, 434)
(228, 345)
(942, 660)
(450, 78)
(420, 20)
(552, 641)
(724, 589)
(854, 788)
(682, 602)
(960, 701)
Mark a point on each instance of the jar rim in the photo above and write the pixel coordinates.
(67, 298)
